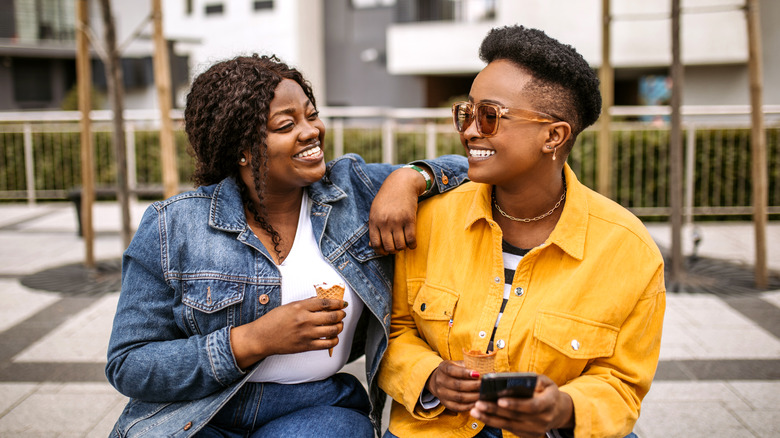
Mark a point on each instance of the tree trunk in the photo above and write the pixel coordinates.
(84, 79)
(676, 153)
(116, 91)
(162, 77)
(758, 143)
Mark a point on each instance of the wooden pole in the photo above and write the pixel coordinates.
(162, 78)
(606, 77)
(116, 91)
(676, 153)
(757, 142)
(84, 84)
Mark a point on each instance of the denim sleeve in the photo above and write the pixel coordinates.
(449, 171)
(149, 357)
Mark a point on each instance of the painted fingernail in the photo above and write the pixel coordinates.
(474, 375)
(345, 305)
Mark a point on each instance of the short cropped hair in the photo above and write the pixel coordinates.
(563, 83)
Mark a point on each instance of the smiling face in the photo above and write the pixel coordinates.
(294, 140)
(518, 147)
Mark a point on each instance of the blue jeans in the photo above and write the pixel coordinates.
(490, 432)
(335, 407)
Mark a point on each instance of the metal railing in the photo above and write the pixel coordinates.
(40, 158)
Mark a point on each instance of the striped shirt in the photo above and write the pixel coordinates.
(512, 256)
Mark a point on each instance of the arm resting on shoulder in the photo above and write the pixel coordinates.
(394, 210)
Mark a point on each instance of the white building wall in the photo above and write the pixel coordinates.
(292, 30)
(713, 32)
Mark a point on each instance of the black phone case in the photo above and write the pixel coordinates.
(496, 385)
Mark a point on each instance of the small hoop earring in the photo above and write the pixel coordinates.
(242, 160)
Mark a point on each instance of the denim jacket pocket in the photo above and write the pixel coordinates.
(434, 308)
(569, 338)
(211, 304)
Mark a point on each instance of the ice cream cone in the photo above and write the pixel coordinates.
(335, 292)
(480, 362)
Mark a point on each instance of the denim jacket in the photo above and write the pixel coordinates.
(195, 269)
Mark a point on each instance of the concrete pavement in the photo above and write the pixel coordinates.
(719, 374)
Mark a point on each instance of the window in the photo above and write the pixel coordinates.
(188, 7)
(468, 11)
(366, 4)
(31, 81)
(215, 9)
(260, 5)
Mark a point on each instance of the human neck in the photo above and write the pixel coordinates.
(530, 198)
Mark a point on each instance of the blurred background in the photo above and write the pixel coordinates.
(385, 72)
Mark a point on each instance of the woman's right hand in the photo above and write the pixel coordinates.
(310, 324)
(456, 387)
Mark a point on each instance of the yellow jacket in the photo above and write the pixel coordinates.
(597, 280)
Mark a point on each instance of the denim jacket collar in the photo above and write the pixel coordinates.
(227, 209)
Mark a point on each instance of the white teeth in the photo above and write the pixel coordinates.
(313, 151)
(481, 153)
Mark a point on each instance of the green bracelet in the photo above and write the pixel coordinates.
(424, 173)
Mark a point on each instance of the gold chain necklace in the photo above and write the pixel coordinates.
(525, 219)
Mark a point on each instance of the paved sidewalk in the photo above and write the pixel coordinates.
(719, 374)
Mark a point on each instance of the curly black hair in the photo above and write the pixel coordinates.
(226, 113)
(563, 83)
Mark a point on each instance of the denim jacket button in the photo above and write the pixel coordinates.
(188, 426)
(263, 299)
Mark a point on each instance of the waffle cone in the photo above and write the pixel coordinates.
(478, 361)
(335, 292)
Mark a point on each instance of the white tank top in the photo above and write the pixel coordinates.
(301, 270)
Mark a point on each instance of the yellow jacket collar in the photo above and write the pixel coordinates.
(569, 233)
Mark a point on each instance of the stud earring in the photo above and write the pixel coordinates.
(243, 160)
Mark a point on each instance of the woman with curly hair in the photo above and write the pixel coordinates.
(217, 331)
(544, 275)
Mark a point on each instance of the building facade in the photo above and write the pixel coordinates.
(430, 46)
(390, 53)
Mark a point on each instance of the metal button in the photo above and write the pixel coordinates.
(263, 299)
(519, 291)
(497, 279)
(188, 426)
(575, 344)
(482, 334)
(444, 178)
(474, 425)
(500, 343)
(422, 307)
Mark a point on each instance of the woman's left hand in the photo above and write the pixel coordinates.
(548, 409)
(393, 217)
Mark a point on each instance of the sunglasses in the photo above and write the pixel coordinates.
(488, 114)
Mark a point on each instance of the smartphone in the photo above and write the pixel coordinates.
(496, 385)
